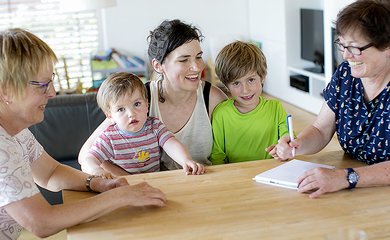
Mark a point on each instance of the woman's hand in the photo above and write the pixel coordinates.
(318, 181)
(142, 194)
(191, 167)
(36, 214)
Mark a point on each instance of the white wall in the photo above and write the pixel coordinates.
(277, 25)
(128, 24)
(267, 25)
(273, 23)
(331, 9)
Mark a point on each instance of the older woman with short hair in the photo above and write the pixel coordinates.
(357, 104)
(26, 85)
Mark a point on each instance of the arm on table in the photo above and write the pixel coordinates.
(113, 169)
(42, 219)
(320, 180)
(311, 140)
(96, 167)
(178, 152)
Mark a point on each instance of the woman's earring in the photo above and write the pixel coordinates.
(160, 76)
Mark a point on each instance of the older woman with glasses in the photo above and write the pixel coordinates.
(26, 76)
(357, 104)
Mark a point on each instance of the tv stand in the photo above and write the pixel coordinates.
(316, 69)
(304, 81)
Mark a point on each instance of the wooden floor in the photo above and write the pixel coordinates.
(301, 120)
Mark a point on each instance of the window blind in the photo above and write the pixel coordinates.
(73, 36)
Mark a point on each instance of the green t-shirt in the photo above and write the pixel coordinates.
(243, 137)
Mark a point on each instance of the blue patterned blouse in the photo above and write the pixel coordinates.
(363, 128)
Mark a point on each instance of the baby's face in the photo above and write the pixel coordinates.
(129, 112)
(246, 91)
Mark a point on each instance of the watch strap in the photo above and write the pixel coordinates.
(88, 183)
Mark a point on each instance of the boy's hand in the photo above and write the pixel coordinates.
(272, 150)
(283, 149)
(191, 167)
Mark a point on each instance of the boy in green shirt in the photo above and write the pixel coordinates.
(245, 125)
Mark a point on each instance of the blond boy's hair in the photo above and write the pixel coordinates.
(237, 59)
(116, 86)
(22, 56)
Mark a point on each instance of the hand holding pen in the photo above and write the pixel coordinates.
(290, 131)
(281, 150)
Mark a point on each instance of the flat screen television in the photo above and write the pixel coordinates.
(337, 57)
(312, 38)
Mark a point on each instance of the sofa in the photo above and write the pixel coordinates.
(69, 121)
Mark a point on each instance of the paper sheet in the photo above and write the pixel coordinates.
(287, 174)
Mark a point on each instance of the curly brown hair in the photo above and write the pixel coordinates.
(168, 36)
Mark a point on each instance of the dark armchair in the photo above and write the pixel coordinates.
(69, 121)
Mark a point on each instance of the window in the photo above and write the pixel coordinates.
(72, 36)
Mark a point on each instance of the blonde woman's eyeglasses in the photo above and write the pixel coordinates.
(44, 87)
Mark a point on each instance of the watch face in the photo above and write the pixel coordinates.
(352, 177)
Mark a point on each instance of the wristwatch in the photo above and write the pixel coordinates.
(352, 177)
(88, 183)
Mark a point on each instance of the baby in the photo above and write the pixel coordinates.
(132, 142)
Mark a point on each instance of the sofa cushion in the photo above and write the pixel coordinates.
(69, 120)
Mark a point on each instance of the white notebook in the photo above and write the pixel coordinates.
(287, 174)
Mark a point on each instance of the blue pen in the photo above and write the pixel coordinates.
(290, 131)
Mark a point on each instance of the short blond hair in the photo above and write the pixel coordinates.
(116, 86)
(237, 59)
(22, 56)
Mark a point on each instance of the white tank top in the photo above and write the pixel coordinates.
(196, 134)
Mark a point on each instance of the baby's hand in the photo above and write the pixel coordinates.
(191, 167)
(105, 175)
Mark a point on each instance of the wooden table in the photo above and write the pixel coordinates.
(226, 203)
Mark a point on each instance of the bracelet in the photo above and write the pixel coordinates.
(88, 183)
